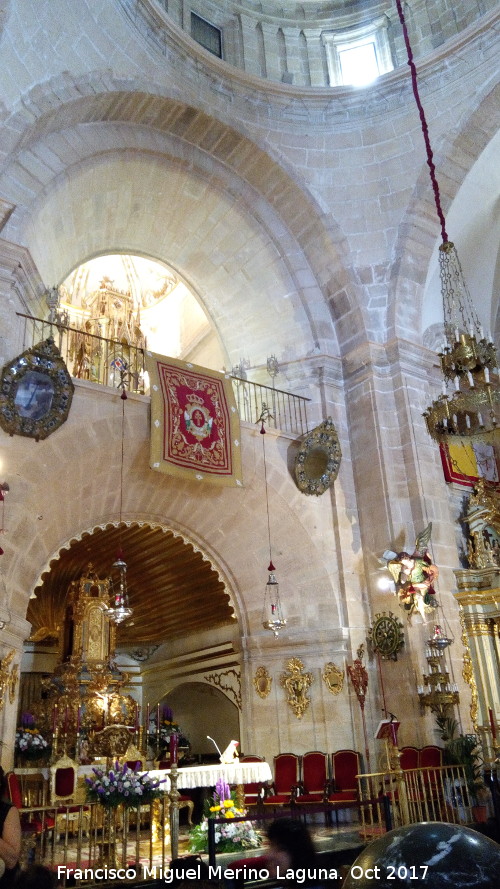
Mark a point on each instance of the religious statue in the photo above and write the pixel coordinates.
(414, 575)
(230, 754)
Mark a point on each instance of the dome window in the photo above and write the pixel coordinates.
(358, 56)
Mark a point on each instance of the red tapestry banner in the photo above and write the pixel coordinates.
(195, 430)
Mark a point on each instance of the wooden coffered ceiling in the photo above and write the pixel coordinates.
(173, 590)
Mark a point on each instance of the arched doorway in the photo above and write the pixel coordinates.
(204, 712)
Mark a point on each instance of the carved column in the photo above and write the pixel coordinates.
(15, 631)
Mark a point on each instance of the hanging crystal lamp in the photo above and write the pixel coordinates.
(119, 609)
(469, 405)
(272, 616)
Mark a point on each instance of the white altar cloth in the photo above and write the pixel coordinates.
(207, 776)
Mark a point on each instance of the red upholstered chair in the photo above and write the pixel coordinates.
(64, 794)
(409, 758)
(314, 784)
(343, 791)
(430, 759)
(34, 823)
(252, 792)
(286, 779)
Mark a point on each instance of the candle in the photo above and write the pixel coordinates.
(174, 739)
(78, 718)
(136, 715)
(486, 375)
(147, 718)
(492, 723)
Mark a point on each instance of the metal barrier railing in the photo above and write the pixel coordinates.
(87, 841)
(437, 793)
(108, 362)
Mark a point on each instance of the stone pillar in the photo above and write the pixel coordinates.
(250, 45)
(13, 634)
(293, 69)
(273, 69)
(315, 56)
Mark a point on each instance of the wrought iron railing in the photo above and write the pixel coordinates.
(89, 356)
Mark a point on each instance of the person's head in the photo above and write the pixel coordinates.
(36, 877)
(290, 845)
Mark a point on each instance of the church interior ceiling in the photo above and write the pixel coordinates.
(173, 590)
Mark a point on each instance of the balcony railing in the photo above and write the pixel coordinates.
(89, 356)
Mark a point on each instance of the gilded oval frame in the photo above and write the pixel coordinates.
(318, 460)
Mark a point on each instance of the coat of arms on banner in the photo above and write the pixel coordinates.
(194, 422)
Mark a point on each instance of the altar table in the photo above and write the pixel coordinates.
(207, 776)
(189, 777)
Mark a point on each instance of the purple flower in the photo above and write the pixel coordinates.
(222, 790)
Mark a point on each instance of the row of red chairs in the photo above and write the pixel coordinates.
(315, 778)
(428, 757)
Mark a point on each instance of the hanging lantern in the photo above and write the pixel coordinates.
(272, 616)
(119, 609)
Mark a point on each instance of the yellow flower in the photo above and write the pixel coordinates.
(228, 803)
(229, 814)
(215, 808)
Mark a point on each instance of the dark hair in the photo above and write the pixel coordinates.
(292, 836)
(36, 877)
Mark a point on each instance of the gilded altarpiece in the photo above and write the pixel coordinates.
(478, 594)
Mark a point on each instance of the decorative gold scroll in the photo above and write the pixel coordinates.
(6, 676)
(333, 677)
(296, 684)
(262, 682)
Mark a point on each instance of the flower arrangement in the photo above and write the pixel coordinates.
(230, 836)
(159, 735)
(122, 785)
(29, 742)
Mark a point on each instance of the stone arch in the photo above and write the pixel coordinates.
(318, 239)
(203, 709)
(159, 559)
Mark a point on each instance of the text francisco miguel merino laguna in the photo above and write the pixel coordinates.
(194, 873)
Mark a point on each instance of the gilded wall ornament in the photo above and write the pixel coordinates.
(5, 676)
(13, 680)
(318, 460)
(36, 391)
(386, 635)
(333, 677)
(296, 684)
(229, 682)
(262, 682)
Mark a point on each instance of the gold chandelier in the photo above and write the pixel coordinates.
(468, 407)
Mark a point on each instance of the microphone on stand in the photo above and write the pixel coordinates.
(215, 745)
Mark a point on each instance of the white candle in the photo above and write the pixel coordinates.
(486, 375)
(470, 379)
(457, 384)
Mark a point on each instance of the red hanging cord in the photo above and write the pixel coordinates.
(423, 121)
